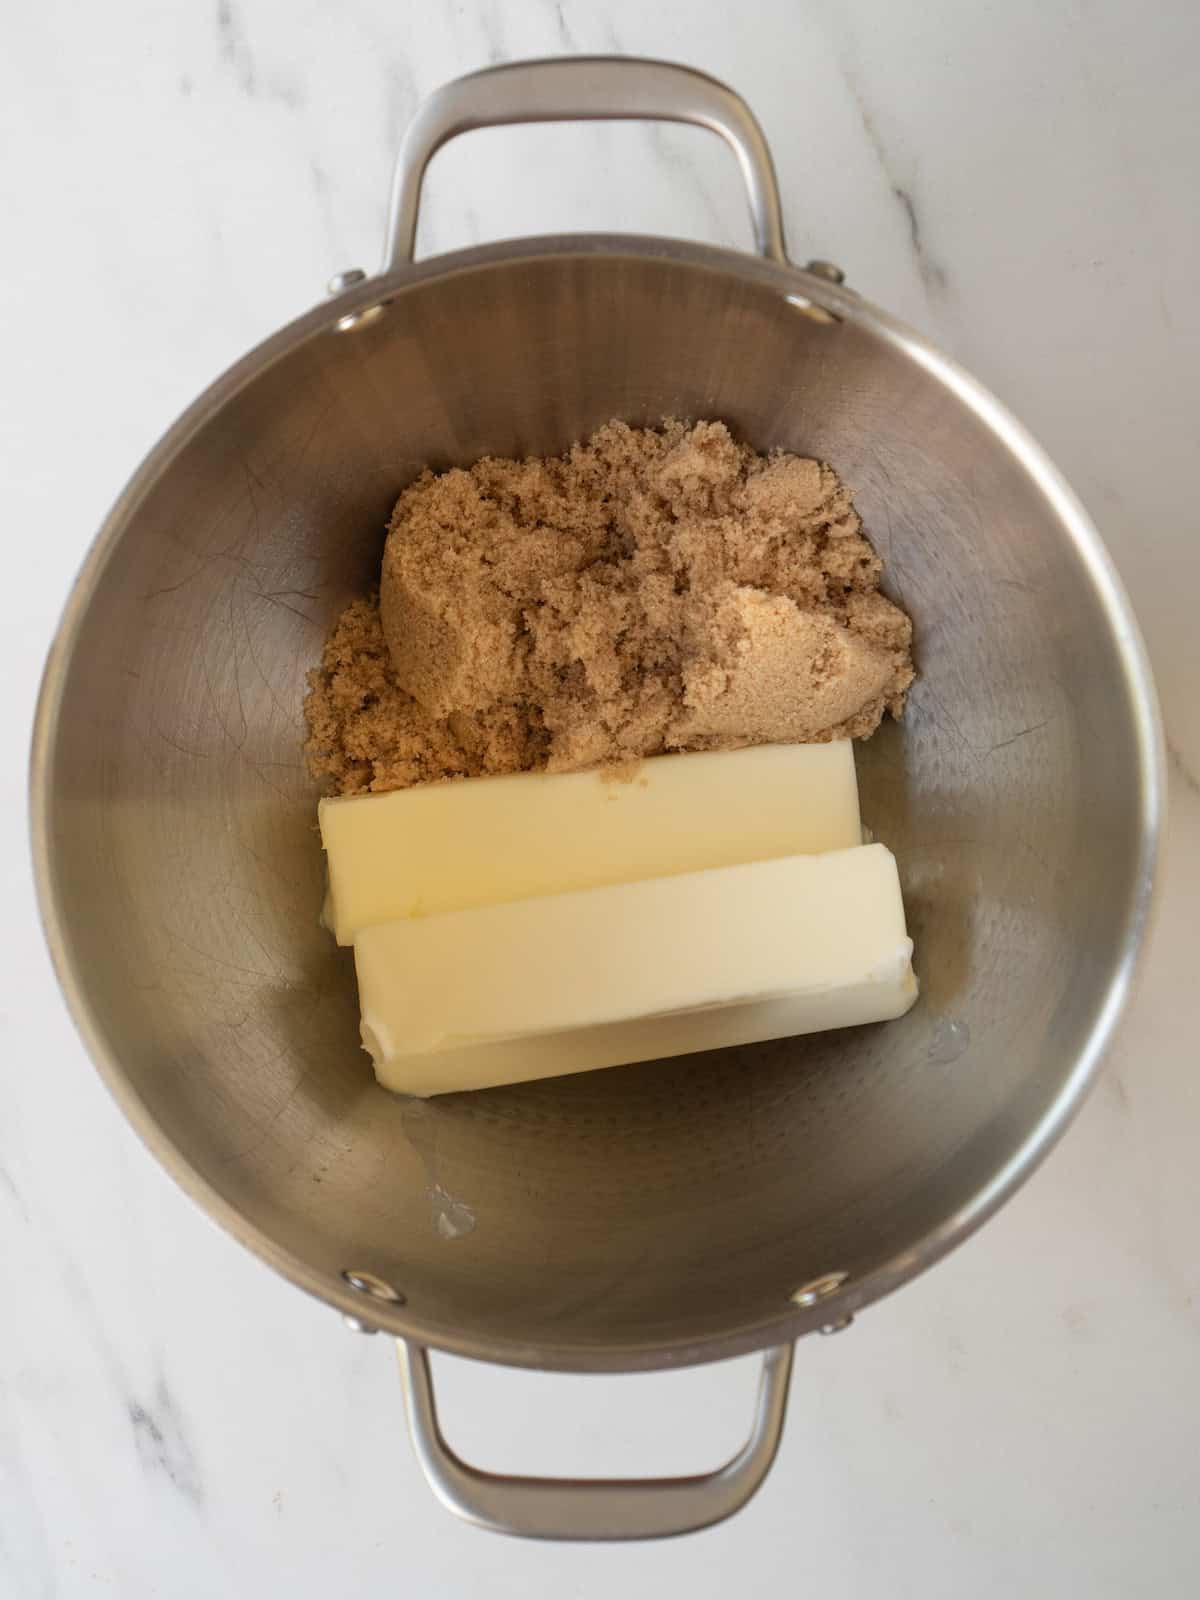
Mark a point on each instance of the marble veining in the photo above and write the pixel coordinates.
(237, 56)
(1175, 757)
(8, 1185)
(933, 273)
(162, 1444)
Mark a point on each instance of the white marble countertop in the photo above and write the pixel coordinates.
(1018, 180)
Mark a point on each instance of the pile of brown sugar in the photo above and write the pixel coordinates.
(650, 590)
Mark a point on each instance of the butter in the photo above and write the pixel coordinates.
(634, 971)
(446, 847)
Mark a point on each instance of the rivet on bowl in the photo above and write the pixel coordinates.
(357, 1325)
(838, 1326)
(357, 319)
(368, 1283)
(338, 284)
(341, 281)
(811, 309)
(818, 1289)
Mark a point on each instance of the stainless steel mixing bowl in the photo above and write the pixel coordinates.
(652, 1215)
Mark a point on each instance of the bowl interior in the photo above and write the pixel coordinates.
(614, 1217)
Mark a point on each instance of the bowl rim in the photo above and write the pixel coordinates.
(806, 290)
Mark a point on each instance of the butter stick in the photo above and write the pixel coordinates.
(451, 846)
(636, 971)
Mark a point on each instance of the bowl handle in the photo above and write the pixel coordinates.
(593, 1508)
(578, 89)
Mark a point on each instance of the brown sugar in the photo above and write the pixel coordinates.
(650, 590)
